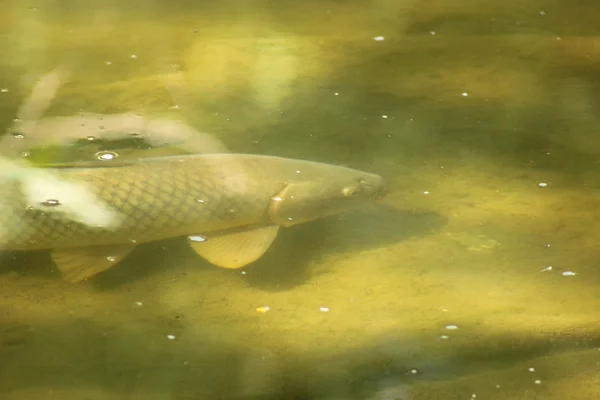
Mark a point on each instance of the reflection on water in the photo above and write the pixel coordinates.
(476, 277)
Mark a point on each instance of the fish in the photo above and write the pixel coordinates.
(229, 206)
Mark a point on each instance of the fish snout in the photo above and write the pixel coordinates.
(374, 187)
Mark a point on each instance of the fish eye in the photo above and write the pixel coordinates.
(350, 191)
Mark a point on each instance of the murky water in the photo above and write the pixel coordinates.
(477, 276)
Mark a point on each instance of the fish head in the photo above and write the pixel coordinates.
(318, 190)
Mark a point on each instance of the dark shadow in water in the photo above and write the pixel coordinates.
(134, 359)
(288, 263)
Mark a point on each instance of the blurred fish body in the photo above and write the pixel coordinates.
(230, 206)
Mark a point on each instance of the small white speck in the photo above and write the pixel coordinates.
(276, 198)
(4, 90)
(444, 337)
(139, 303)
(243, 272)
(531, 369)
(111, 258)
(133, 56)
(171, 337)
(289, 218)
(432, 33)
(542, 184)
(324, 309)
(197, 238)
(497, 386)
(473, 396)
(384, 116)
(569, 273)
(548, 268)
(451, 327)
(175, 107)
(108, 63)
(298, 171)
(464, 94)
(414, 371)
(558, 38)
(378, 38)
(537, 382)
(542, 12)
(426, 192)
(336, 94)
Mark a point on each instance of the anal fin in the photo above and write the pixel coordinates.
(235, 250)
(81, 263)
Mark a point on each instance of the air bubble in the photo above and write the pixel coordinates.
(51, 203)
(106, 155)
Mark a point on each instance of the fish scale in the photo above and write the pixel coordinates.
(155, 200)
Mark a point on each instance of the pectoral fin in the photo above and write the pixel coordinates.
(235, 250)
(80, 263)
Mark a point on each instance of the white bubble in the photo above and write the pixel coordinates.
(106, 155)
(51, 203)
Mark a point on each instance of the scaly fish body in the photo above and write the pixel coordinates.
(205, 196)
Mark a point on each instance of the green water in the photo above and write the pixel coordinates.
(483, 117)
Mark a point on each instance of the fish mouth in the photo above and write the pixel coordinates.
(383, 191)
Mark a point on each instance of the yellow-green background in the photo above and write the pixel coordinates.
(461, 239)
